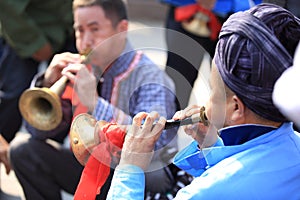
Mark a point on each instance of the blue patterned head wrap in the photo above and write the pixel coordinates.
(253, 50)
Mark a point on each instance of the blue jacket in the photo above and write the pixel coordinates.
(266, 167)
(222, 7)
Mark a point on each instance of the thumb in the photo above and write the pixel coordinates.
(7, 165)
(4, 154)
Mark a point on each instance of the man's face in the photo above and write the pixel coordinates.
(95, 32)
(217, 103)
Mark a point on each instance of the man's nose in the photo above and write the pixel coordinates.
(87, 42)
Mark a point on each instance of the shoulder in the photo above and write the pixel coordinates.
(146, 70)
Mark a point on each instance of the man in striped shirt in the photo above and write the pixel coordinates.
(117, 83)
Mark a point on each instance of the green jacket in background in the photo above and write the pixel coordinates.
(27, 25)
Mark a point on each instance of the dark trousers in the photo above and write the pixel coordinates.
(44, 169)
(15, 76)
(184, 57)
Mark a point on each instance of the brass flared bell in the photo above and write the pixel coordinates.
(41, 107)
(83, 136)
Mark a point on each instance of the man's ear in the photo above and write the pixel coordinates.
(123, 25)
(237, 110)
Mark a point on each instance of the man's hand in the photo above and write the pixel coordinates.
(85, 84)
(3, 154)
(58, 63)
(140, 140)
(206, 136)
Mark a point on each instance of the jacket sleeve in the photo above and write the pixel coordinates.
(128, 183)
(192, 159)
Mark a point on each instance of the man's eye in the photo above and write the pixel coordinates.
(78, 30)
(95, 29)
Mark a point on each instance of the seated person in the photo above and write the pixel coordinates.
(113, 83)
(249, 150)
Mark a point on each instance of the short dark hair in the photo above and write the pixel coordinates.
(115, 10)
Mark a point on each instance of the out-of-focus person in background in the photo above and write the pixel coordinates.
(285, 95)
(291, 5)
(30, 32)
(192, 28)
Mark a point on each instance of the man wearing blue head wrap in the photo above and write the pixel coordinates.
(249, 150)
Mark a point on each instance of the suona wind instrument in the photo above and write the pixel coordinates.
(84, 137)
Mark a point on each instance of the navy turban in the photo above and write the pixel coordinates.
(254, 48)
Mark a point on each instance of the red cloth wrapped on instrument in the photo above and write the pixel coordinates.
(97, 168)
(77, 107)
(183, 13)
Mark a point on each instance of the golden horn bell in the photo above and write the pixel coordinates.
(41, 107)
(83, 136)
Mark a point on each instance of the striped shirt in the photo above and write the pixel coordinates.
(132, 84)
